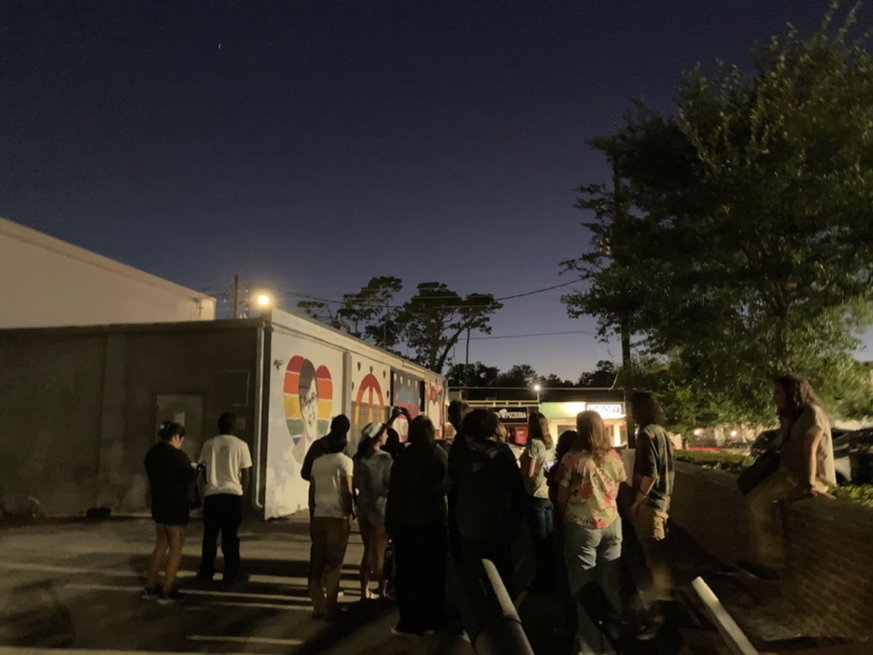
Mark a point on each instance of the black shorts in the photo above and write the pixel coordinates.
(172, 515)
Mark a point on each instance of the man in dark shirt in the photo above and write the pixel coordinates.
(170, 474)
(491, 496)
(458, 409)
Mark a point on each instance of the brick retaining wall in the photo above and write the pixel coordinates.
(829, 548)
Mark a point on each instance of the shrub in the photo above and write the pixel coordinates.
(861, 494)
(736, 463)
(718, 461)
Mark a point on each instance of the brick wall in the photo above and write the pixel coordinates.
(829, 549)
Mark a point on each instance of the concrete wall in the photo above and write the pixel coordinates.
(828, 554)
(79, 408)
(46, 282)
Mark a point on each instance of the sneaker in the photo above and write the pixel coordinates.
(150, 594)
(172, 597)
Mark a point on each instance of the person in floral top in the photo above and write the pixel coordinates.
(589, 478)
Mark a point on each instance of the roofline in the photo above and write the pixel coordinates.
(345, 335)
(90, 258)
(129, 328)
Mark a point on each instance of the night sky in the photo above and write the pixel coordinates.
(311, 145)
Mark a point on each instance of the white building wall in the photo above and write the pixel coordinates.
(46, 282)
(315, 373)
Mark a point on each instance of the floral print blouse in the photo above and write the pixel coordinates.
(593, 488)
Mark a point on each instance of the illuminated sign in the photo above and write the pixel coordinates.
(607, 410)
(512, 414)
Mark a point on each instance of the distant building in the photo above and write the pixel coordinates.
(46, 282)
(561, 415)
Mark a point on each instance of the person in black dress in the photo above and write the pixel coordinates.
(170, 475)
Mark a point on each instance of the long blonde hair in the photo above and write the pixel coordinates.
(593, 436)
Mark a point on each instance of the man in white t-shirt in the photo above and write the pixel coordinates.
(228, 473)
(332, 475)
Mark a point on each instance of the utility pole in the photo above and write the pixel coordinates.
(624, 319)
(467, 364)
(235, 296)
(248, 299)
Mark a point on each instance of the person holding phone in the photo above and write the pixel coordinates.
(170, 474)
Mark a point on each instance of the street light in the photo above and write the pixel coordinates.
(264, 300)
(537, 389)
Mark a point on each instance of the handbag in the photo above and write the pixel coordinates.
(763, 467)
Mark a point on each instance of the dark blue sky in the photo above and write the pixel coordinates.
(312, 145)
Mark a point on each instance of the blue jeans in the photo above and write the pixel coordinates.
(592, 557)
(540, 518)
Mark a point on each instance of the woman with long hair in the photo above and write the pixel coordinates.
(806, 468)
(652, 490)
(372, 478)
(538, 455)
(590, 475)
(170, 474)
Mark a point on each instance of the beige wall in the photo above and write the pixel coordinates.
(45, 282)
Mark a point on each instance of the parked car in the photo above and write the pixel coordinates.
(859, 453)
(770, 439)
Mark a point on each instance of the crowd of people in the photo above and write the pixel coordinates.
(428, 506)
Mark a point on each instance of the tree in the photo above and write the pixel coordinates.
(366, 314)
(604, 376)
(432, 321)
(743, 215)
(474, 375)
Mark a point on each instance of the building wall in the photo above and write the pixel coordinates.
(828, 554)
(316, 373)
(47, 282)
(79, 408)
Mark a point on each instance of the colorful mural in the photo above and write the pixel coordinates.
(305, 393)
(308, 400)
(371, 402)
(406, 392)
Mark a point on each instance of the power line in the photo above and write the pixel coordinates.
(534, 334)
(380, 305)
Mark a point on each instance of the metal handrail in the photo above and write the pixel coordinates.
(487, 612)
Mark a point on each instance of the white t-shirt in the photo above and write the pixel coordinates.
(328, 473)
(224, 456)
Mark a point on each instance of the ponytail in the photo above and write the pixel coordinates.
(169, 430)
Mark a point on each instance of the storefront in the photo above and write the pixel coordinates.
(562, 417)
(512, 416)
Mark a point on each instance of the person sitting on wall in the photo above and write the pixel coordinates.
(228, 473)
(170, 473)
(806, 469)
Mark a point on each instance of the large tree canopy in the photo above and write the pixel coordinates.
(736, 238)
